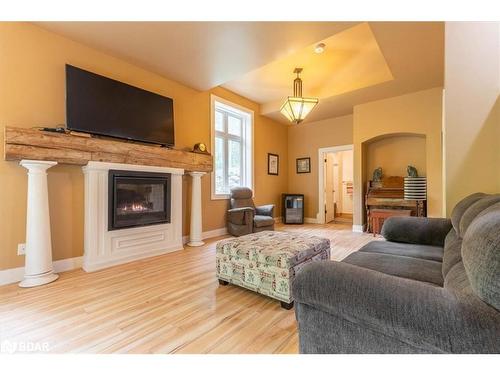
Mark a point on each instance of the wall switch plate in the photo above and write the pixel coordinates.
(21, 249)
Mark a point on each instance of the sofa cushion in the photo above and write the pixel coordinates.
(452, 251)
(402, 266)
(481, 255)
(456, 280)
(461, 207)
(415, 251)
(263, 221)
(475, 209)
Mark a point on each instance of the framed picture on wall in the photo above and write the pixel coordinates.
(273, 162)
(304, 165)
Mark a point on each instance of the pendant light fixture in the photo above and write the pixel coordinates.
(296, 107)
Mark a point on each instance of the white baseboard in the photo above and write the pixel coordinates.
(92, 266)
(358, 228)
(208, 234)
(14, 275)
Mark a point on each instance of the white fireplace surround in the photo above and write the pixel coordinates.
(103, 248)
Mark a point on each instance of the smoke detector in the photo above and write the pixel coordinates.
(320, 48)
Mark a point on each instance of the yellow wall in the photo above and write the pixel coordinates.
(472, 109)
(304, 140)
(415, 113)
(32, 94)
(394, 154)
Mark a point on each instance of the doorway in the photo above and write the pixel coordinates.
(336, 184)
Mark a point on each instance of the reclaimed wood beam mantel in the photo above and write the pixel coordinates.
(34, 144)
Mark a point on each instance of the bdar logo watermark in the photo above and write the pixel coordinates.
(11, 347)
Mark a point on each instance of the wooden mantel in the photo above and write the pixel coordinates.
(34, 144)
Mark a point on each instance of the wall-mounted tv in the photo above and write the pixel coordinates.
(103, 106)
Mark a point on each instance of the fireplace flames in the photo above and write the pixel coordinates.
(134, 207)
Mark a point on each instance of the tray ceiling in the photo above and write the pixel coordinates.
(362, 61)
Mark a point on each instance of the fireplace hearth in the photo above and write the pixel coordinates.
(138, 199)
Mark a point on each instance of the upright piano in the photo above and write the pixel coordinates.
(389, 194)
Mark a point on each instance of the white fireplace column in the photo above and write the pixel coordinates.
(38, 260)
(195, 228)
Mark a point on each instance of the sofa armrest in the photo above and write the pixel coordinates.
(266, 210)
(240, 216)
(419, 314)
(416, 230)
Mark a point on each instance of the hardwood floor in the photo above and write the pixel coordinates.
(166, 304)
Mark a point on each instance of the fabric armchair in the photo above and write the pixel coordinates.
(244, 218)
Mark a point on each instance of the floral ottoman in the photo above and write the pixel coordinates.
(267, 262)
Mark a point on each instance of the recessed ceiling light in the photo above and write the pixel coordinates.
(320, 48)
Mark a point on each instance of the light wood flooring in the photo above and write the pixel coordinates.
(166, 304)
(342, 219)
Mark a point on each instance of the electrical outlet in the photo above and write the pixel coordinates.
(21, 249)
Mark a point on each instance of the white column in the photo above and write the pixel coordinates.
(38, 259)
(195, 229)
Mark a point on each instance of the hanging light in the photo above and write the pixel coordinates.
(296, 108)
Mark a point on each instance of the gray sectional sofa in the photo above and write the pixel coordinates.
(432, 287)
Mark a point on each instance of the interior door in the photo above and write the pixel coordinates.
(329, 188)
(347, 193)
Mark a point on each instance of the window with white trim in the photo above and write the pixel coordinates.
(232, 147)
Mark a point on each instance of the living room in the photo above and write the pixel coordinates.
(249, 187)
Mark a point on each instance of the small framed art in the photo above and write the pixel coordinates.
(273, 162)
(304, 165)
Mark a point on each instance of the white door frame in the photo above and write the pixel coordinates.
(321, 177)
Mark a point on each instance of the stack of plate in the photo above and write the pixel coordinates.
(415, 188)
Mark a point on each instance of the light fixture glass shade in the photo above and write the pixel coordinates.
(296, 109)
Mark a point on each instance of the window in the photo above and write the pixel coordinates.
(232, 147)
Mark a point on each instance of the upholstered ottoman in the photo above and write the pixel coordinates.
(267, 262)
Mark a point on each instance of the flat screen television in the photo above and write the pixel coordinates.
(103, 106)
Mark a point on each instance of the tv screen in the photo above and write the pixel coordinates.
(103, 106)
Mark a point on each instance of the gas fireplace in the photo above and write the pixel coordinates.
(138, 199)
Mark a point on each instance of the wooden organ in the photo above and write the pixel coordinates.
(388, 194)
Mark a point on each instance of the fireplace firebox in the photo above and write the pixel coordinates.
(138, 199)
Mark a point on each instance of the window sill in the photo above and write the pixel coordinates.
(216, 197)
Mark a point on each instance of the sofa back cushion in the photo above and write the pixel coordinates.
(461, 207)
(452, 252)
(475, 209)
(481, 255)
(453, 241)
(462, 216)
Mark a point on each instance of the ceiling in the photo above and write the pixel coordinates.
(362, 61)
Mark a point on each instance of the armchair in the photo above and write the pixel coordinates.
(244, 218)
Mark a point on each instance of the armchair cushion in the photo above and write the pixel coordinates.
(241, 193)
(263, 221)
(425, 317)
(266, 210)
(416, 230)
